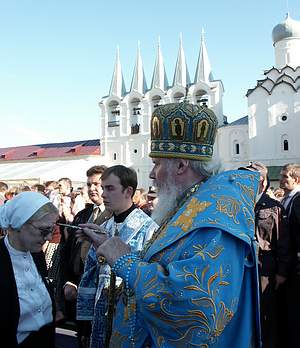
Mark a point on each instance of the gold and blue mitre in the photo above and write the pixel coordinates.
(183, 130)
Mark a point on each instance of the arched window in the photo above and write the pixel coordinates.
(135, 115)
(201, 97)
(288, 58)
(178, 97)
(236, 148)
(284, 143)
(113, 114)
(155, 101)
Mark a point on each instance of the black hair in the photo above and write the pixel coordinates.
(127, 176)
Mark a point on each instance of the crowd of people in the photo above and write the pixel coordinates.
(204, 257)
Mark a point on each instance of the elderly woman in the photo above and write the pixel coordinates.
(26, 315)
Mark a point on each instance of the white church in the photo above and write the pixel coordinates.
(268, 134)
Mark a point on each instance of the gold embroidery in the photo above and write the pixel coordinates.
(228, 206)
(248, 216)
(185, 220)
(224, 316)
(215, 318)
(247, 194)
(213, 254)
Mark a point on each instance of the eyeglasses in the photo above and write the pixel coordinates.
(43, 231)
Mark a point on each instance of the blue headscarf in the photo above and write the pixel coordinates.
(15, 212)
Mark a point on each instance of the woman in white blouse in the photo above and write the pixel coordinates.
(27, 311)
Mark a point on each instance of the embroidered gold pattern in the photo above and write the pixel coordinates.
(209, 318)
(185, 220)
(213, 254)
(228, 206)
(208, 315)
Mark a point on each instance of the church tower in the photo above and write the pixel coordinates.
(286, 41)
(273, 104)
(125, 116)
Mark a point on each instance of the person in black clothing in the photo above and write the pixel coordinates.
(273, 256)
(27, 305)
(73, 252)
(290, 183)
(99, 290)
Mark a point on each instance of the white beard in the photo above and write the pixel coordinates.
(167, 201)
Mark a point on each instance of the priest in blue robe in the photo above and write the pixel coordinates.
(195, 283)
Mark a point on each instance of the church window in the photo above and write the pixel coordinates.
(201, 97)
(284, 117)
(135, 115)
(115, 156)
(178, 97)
(284, 143)
(113, 114)
(236, 149)
(135, 150)
(156, 101)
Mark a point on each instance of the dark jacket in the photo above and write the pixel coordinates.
(10, 309)
(272, 236)
(293, 213)
(71, 262)
(72, 266)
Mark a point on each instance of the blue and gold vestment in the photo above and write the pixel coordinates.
(135, 230)
(196, 285)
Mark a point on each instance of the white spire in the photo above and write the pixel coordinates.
(159, 78)
(117, 86)
(138, 82)
(203, 70)
(181, 75)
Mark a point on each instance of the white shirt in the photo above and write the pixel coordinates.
(34, 299)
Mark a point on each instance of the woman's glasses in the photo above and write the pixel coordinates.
(44, 231)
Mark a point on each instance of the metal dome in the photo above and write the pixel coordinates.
(289, 28)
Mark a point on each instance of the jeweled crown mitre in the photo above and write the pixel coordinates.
(183, 130)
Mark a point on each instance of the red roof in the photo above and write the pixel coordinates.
(52, 150)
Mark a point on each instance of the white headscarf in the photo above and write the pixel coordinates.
(15, 212)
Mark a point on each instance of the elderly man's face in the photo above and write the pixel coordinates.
(160, 173)
(163, 176)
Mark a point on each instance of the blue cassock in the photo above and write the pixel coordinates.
(197, 284)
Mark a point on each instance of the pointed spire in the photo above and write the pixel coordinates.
(181, 75)
(138, 82)
(203, 70)
(159, 78)
(117, 86)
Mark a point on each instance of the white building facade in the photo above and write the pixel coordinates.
(268, 134)
(125, 117)
(274, 103)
